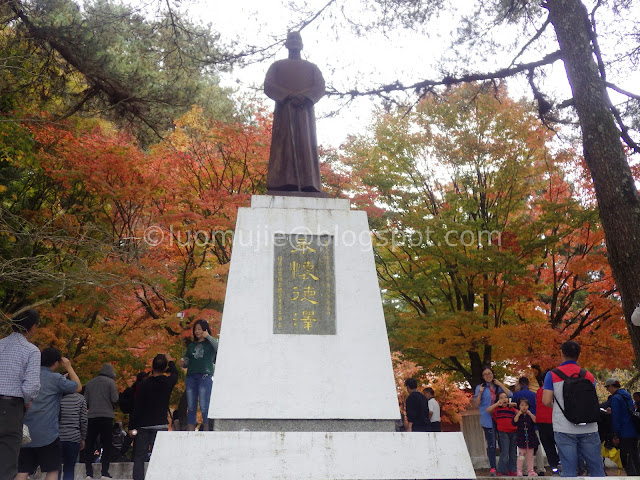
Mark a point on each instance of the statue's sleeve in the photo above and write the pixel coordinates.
(271, 87)
(317, 91)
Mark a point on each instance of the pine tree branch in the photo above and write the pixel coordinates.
(531, 40)
(449, 80)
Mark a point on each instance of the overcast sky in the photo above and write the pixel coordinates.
(345, 61)
(348, 60)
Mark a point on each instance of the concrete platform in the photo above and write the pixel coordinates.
(309, 456)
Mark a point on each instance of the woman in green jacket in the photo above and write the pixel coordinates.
(200, 362)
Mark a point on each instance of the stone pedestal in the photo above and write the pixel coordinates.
(303, 385)
(337, 374)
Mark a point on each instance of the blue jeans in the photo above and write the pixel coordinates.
(490, 437)
(70, 452)
(572, 446)
(198, 388)
(508, 452)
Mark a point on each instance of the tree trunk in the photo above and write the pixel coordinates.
(618, 199)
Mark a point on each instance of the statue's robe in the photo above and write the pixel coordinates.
(294, 127)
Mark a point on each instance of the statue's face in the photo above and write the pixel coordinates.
(294, 42)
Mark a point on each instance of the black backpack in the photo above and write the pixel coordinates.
(580, 399)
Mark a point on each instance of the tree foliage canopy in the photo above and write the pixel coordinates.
(484, 250)
(498, 39)
(110, 242)
(137, 67)
(112, 235)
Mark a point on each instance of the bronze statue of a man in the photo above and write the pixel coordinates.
(295, 85)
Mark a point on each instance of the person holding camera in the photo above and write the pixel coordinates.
(200, 362)
(42, 418)
(150, 409)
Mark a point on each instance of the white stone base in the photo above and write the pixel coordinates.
(260, 375)
(309, 456)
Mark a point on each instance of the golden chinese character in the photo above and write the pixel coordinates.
(307, 319)
(307, 268)
(307, 294)
(303, 270)
(295, 268)
(302, 245)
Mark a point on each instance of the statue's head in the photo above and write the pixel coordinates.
(294, 41)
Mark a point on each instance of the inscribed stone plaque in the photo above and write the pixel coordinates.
(303, 285)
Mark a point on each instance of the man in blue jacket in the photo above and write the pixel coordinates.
(621, 405)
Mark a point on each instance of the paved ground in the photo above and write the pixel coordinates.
(481, 474)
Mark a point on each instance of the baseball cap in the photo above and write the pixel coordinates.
(611, 381)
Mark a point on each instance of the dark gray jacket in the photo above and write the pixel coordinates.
(101, 393)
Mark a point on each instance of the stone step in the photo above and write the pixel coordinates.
(309, 455)
(118, 471)
(124, 471)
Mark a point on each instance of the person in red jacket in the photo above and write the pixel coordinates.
(545, 431)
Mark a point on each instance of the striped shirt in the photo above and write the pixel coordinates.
(19, 367)
(73, 418)
(503, 417)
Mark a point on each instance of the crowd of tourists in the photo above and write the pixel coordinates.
(564, 415)
(48, 419)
